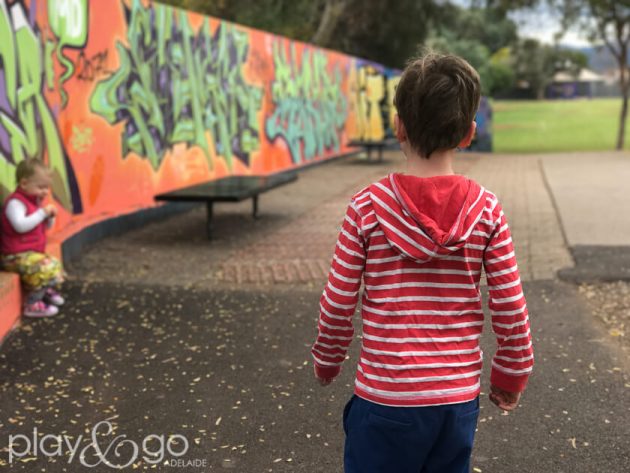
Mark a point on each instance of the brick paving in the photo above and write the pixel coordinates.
(300, 252)
(519, 183)
(292, 243)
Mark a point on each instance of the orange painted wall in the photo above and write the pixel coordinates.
(111, 81)
(11, 305)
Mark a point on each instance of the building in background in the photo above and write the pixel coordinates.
(567, 86)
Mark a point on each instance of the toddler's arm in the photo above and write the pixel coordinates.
(514, 358)
(21, 223)
(339, 299)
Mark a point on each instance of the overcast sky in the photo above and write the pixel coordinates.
(541, 24)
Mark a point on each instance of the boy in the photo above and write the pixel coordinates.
(418, 241)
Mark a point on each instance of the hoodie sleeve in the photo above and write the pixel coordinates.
(514, 358)
(339, 300)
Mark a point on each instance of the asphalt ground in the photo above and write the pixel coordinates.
(230, 372)
(203, 351)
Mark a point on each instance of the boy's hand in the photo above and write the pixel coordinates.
(322, 381)
(51, 210)
(503, 399)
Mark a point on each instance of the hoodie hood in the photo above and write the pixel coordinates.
(427, 217)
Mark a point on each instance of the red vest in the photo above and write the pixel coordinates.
(12, 242)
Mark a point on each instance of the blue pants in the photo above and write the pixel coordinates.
(384, 439)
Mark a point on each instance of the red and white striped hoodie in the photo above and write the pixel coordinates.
(418, 245)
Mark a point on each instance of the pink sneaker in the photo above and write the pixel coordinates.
(40, 309)
(53, 297)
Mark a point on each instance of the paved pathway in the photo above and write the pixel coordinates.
(293, 241)
(519, 183)
(592, 191)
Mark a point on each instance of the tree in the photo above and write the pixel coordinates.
(297, 19)
(333, 12)
(538, 63)
(488, 26)
(476, 34)
(607, 21)
(501, 72)
(534, 63)
(385, 32)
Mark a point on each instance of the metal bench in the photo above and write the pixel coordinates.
(228, 189)
(378, 145)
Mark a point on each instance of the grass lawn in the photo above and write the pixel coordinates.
(556, 125)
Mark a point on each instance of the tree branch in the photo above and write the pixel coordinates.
(333, 10)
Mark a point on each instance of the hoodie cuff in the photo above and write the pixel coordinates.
(509, 383)
(327, 372)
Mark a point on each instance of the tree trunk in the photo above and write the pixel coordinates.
(328, 23)
(624, 82)
(622, 119)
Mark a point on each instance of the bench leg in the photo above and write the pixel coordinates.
(380, 154)
(209, 219)
(369, 153)
(255, 206)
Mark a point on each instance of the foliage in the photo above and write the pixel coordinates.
(537, 64)
(487, 26)
(297, 19)
(386, 32)
(502, 76)
(534, 64)
(376, 30)
(477, 34)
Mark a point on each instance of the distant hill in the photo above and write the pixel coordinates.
(599, 57)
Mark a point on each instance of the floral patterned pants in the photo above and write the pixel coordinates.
(38, 272)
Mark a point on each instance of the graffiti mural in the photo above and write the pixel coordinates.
(126, 99)
(68, 21)
(392, 82)
(28, 127)
(172, 87)
(310, 109)
(372, 89)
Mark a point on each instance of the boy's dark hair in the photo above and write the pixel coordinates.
(26, 169)
(436, 99)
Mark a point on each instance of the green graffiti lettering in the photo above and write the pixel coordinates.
(311, 110)
(7, 55)
(27, 126)
(68, 20)
(178, 86)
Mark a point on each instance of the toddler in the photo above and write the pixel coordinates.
(23, 226)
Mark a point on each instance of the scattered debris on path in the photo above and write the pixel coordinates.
(610, 303)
